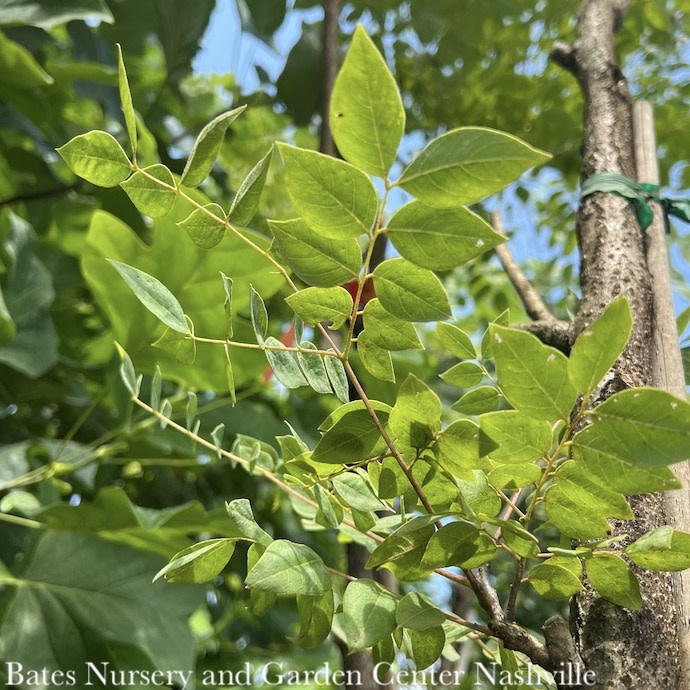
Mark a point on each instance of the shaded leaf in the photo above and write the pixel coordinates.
(557, 578)
(246, 201)
(284, 364)
(205, 226)
(368, 613)
(614, 580)
(663, 549)
(198, 563)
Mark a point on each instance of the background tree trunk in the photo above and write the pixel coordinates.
(625, 649)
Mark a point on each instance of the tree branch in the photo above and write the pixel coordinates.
(530, 298)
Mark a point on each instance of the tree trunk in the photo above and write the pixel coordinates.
(625, 649)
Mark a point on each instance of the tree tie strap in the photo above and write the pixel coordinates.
(639, 194)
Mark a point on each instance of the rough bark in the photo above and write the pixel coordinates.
(624, 649)
(667, 363)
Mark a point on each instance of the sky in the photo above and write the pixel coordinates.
(226, 49)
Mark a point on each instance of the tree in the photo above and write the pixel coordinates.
(466, 487)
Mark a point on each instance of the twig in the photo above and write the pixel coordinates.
(533, 303)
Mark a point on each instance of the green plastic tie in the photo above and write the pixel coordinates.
(639, 194)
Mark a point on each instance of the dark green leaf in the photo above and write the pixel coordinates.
(426, 645)
(242, 517)
(459, 544)
(259, 315)
(416, 612)
(316, 617)
(126, 102)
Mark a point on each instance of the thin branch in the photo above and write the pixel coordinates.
(533, 303)
(514, 589)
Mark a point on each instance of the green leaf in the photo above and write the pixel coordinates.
(198, 563)
(440, 239)
(227, 305)
(330, 513)
(259, 315)
(335, 199)
(644, 427)
(375, 359)
(49, 13)
(260, 601)
(514, 477)
(192, 405)
(314, 305)
(368, 613)
(182, 348)
(467, 164)
(599, 346)
(579, 507)
(416, 415)
(127, 373)
(316, 618)
(284, 364)
(156, 386)
(411, 539)
(18, 67)
(315, 259)
(477, 496)
(410, 292)
(246, 201)
(152, 190)
(338, 378)
(353, 438)
(457, 448)
(663, 549)
(59, 589)
(242, 517)
(459, 544)
(126, 101)
(289, 568)
(154, 296)
(205, 226)
(355, 491)
(478, 401)
(613, 579)
(557, 578)
(426, 646)
(207, 147)
(98, 158)
(388, 331)
(416, 612)
(314, 368)
(456, 341)
(522, 542)
(367, 117)
(515, 437)
(533, 376)
(463, 375)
